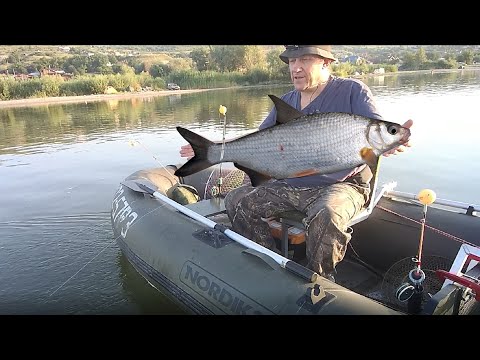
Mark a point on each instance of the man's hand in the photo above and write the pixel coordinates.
(408, 124)
(187, 151)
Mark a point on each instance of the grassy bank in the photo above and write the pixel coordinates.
(37, 101)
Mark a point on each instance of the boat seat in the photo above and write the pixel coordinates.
(288, 228)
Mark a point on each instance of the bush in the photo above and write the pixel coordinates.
(51, 85)
(257, 76)
(5, 85)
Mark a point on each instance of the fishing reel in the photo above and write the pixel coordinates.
(415, 284)
(412, 291)
(413, 287)
(215, 189)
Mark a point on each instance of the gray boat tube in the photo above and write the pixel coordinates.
(145, 186)
(204, 271)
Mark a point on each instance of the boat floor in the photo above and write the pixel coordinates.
(350, 272)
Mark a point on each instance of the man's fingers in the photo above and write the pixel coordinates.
(408, 124)
(187, 151)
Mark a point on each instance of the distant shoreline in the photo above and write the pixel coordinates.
(90, 98)
(146, 94)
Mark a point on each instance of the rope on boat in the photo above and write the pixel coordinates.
(453, 237)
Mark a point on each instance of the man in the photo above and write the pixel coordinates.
(329, 201)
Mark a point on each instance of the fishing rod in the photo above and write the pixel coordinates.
(455, 204)
(134, 143)
(145, 186)
(412, 291)
(216, 190)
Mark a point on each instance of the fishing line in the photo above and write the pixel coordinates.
(214, 190)
(83, 267)
(206, 184)
(223, 111)
(453, 237)
(106, 247)
(132, 144)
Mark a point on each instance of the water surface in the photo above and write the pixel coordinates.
(61, 164)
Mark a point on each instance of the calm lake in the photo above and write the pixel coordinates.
(60, 166)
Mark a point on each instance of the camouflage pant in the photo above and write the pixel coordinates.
(328, 210)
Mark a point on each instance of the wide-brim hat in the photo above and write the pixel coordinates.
(294, 51)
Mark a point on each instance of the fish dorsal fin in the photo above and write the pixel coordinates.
(256, 178)
(285, 112)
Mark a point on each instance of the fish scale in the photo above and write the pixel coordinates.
(284, 150)
(298, 145)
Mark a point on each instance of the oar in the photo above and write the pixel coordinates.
(145, 186)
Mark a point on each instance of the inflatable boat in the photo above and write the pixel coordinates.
(176, 234)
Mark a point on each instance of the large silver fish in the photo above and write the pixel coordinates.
(298, 145)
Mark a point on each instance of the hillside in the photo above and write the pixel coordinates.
(339, 50)
(29, 58)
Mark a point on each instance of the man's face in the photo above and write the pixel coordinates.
(305, 71)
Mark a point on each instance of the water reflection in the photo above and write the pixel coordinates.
(68, 123)
(147, 299)
(64, 161)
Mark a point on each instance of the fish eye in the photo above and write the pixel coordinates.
(392, 129)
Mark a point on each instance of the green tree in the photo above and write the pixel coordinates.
(254, 58)
(78, 63)
(228, 57)
(450, 56)
(466, 57)
(433, 55)
(237, 57)
(201, 58)
(274, 63)
(159, 70)
(13, 58)
(71, 69)
(104, 69)
(123, 69)
(343, 69)
(421, 55)
(98, 64)
(409, 61)
(181, 63)
(17, 69)
(443, 64)
(75, 50)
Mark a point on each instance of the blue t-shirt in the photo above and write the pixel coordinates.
(339, 95)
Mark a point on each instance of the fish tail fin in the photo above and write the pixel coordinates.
(200, 146)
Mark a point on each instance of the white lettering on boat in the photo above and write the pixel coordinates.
(122, 211)
(218, 292)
